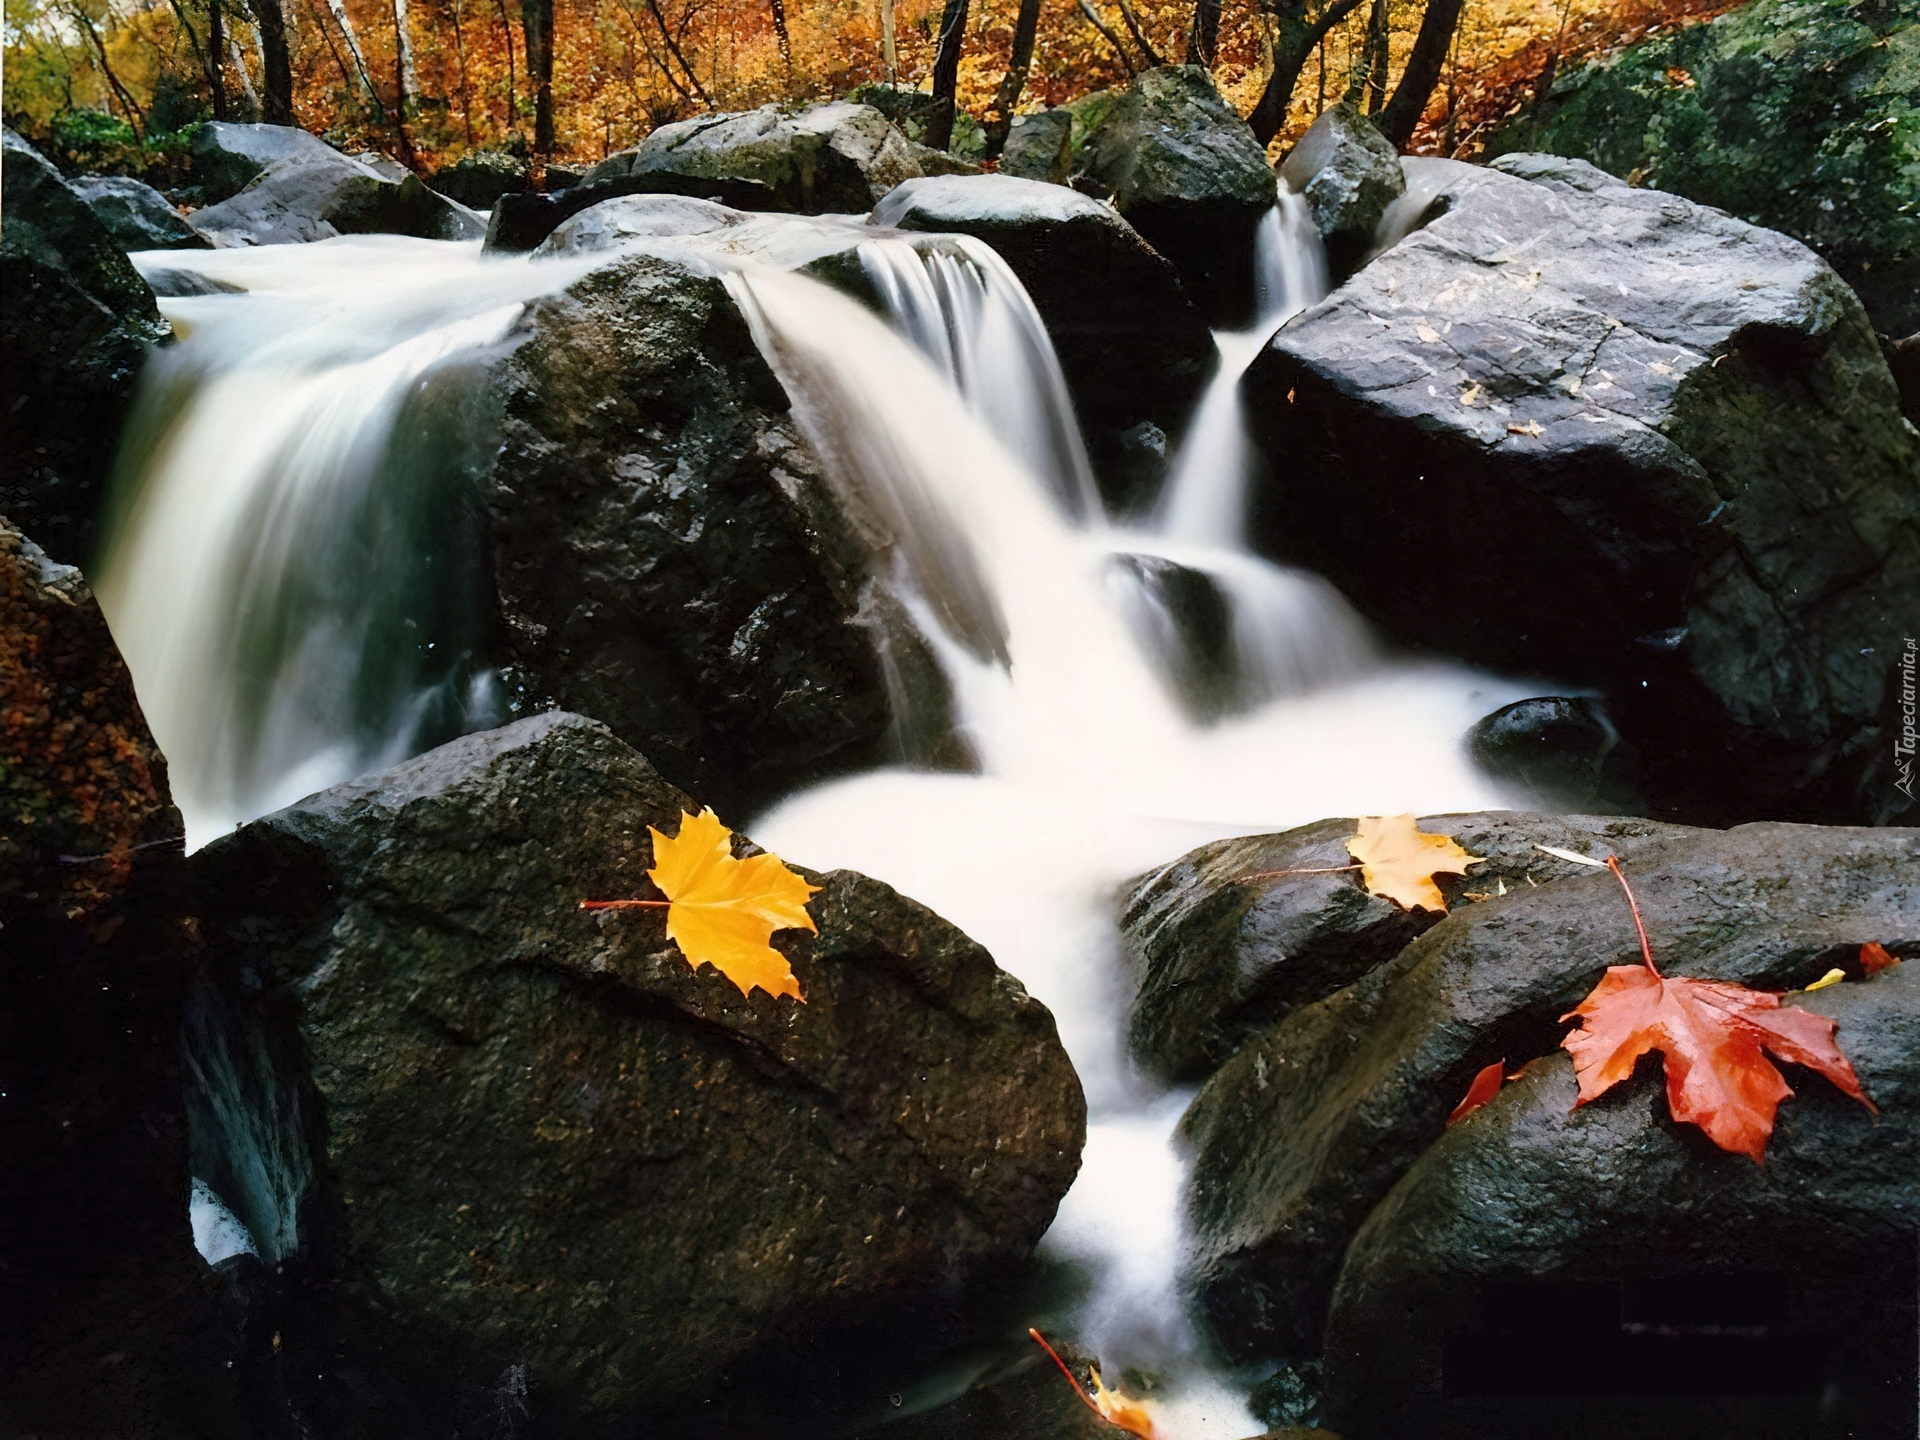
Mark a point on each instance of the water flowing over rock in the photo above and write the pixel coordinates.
(1133, 349)
(1223, 955)
(1537, 1256)
(836, 158)
(1185, 171)
(1349, 173)
(1603, 408)
(575, 1154)
(1793, 114)
(316, 196)
(1304, 1131)
(136, 215)
(668, 558)
(76, 324)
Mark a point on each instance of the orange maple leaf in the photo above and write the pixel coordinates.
(1113, 1408)
(1714, 1035)
(1875, 957)
(1399, 860)
(1486, 1084)
(722, 911)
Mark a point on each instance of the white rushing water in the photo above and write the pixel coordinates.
(284, 591)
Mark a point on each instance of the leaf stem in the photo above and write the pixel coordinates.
(625, 904)
(1078, 1389)
(1646, 950)
(1324, 870)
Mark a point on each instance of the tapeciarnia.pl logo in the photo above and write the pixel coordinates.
(1904, 742)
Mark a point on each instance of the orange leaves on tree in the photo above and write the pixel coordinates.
(1115, 1409)
(722, 911)
(1714, 1036)
(1399, 860)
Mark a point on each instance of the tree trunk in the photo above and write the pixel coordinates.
(1429, 55)
(1026, 24)
(1294, 40)
(536, 19)
(887, 51)
(1379, 56)
(506, 28)
(780, 34)
(276, 63)
(1204, 41)
(1119, 50)
(239, 59)
(466, 91)
(136, 117)
(216, 44)
(338, 9)
(946, 74)
(1154, 62)
(404, 74)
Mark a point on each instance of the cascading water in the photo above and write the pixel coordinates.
(292, 611)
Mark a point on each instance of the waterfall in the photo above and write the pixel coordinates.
(287, 584)
(1092, 768)
(289, 573)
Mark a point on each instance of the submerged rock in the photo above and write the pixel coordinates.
(668, 557)
(1182, 167)
(308, 197)
(1133, 349)
(836, 158)
(1349, 174)
(1306, 1129)
(1683, 434)
(1222, 955)
(1558, 753)
(75, 323)
(1793, 114)
(136, 215)
(513, 1134)
(1538, 1256)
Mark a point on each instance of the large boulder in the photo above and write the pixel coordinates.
(136, 215)
(1307, 1128)
(313, 192)
(1181, 165)
(837, 158)
(509, 1133)
(1681, 427)
(1349, 173)
(522, 222)
(1040, 146)
(108, 1325)
(1606, 1271)
(75, 323)
(909, 109)
(1226, 942)
(1793, 114)
(668, 556)
(1133, 349)
(480, 177)
(229, 156)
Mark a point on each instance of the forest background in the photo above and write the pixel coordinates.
(116, 85)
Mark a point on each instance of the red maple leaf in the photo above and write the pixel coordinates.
(1486, 1084)
(1714, 1036)
(1875, 957)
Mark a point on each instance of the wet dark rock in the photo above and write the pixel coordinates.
(1024, 1399)
(1903, 358)
(669, 558)
(509, 1133)
(1306, 1129)
(107, 1325)
(522, 222)
(1182, 615)
(836, 158)
(1349, 173)
(136, 215)
(1221, 958)
(1140, 360)
(308, 197)
(480, 177)
(1185, 171)
(1792, 114)
(1537, 1256)
(1684, 436)
(228, 157)
(1040, 146)
(1558, 754)
(75, 323)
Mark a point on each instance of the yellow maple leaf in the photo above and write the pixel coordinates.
(1399, 860)
(722, 911)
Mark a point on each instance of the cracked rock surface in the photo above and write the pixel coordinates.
(1580, 431)
(510, 1132)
